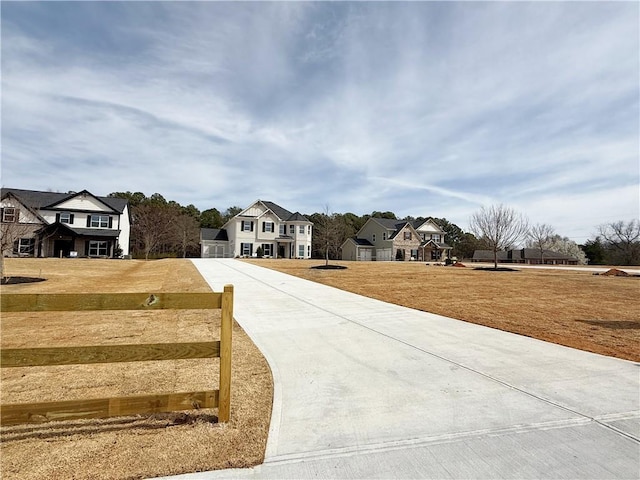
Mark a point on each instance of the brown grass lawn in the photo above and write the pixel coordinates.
(127, 447)
(578, 309)
(594, 313)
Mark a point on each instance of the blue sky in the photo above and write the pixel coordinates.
(420, 108)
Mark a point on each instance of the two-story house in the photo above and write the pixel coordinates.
(383, 239)
(50, 224)
(266, 225)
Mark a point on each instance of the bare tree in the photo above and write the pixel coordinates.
(539, 236)
(329, 232)
(500, 227)
(151, 226)
(187, 232)
(10, 233)
(623, 239)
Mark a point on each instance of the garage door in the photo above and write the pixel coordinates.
(383, 254)
(364, 255)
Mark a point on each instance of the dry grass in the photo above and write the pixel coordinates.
(127, 447)
(594, 313)
(578, 309)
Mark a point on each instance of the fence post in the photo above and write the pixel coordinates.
(226, 325)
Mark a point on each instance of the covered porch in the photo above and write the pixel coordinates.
(60, 240)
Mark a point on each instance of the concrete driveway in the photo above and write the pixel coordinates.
(366, 389)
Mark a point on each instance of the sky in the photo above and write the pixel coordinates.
(419, 108)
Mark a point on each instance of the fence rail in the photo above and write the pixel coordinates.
(140, 404)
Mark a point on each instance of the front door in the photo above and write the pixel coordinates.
(62, 248)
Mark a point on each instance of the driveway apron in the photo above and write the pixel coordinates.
(367, 389)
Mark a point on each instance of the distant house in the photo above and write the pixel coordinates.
(383, 239)
(530, 256)
(64, 224)
(266, 225)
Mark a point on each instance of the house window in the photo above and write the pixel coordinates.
(292, 229)
(435, 238)
(246, 249)
(267, 248)
(66, 217)
(282, 229)
(301, 230)
(247, 226)
(98, 248)
(99, 221)
(384, 235)
(26, 246)
(309, 230)
(414, 254)
(373, 238)
(9, 215)
(407, 235)
(267, 227)
(301, 250)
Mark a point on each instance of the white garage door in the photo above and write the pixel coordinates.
(383, 254)
(364, 255)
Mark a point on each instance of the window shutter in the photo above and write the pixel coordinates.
(252, 226)
(57, 218)
(2, 214)
(273, 227)
(86, 248)
(71, 219)
(88, 225)
(264, 226)
(110, 222)
(242, 225)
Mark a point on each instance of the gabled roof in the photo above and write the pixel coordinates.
(213, 234)
(440, 245)
(282, 213)
(42, 200)
(297, 217)
(33, 211)
(399, 227)
(361, 242)
(419, 223)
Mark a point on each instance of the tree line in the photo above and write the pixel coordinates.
(161, 228)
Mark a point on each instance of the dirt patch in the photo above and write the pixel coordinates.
(614, 272)
(137, 446)
(551, 305)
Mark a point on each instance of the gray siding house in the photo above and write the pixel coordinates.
(383, 239)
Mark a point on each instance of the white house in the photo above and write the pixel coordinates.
(50, 224)
(266, 225)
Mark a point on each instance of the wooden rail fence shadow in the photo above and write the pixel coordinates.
(11, 414)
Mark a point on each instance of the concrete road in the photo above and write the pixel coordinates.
(366, 389)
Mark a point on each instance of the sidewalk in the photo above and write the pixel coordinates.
(366, 389)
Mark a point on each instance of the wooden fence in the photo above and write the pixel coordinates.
(11, 414)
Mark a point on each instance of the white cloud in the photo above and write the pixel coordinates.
(417, 108)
